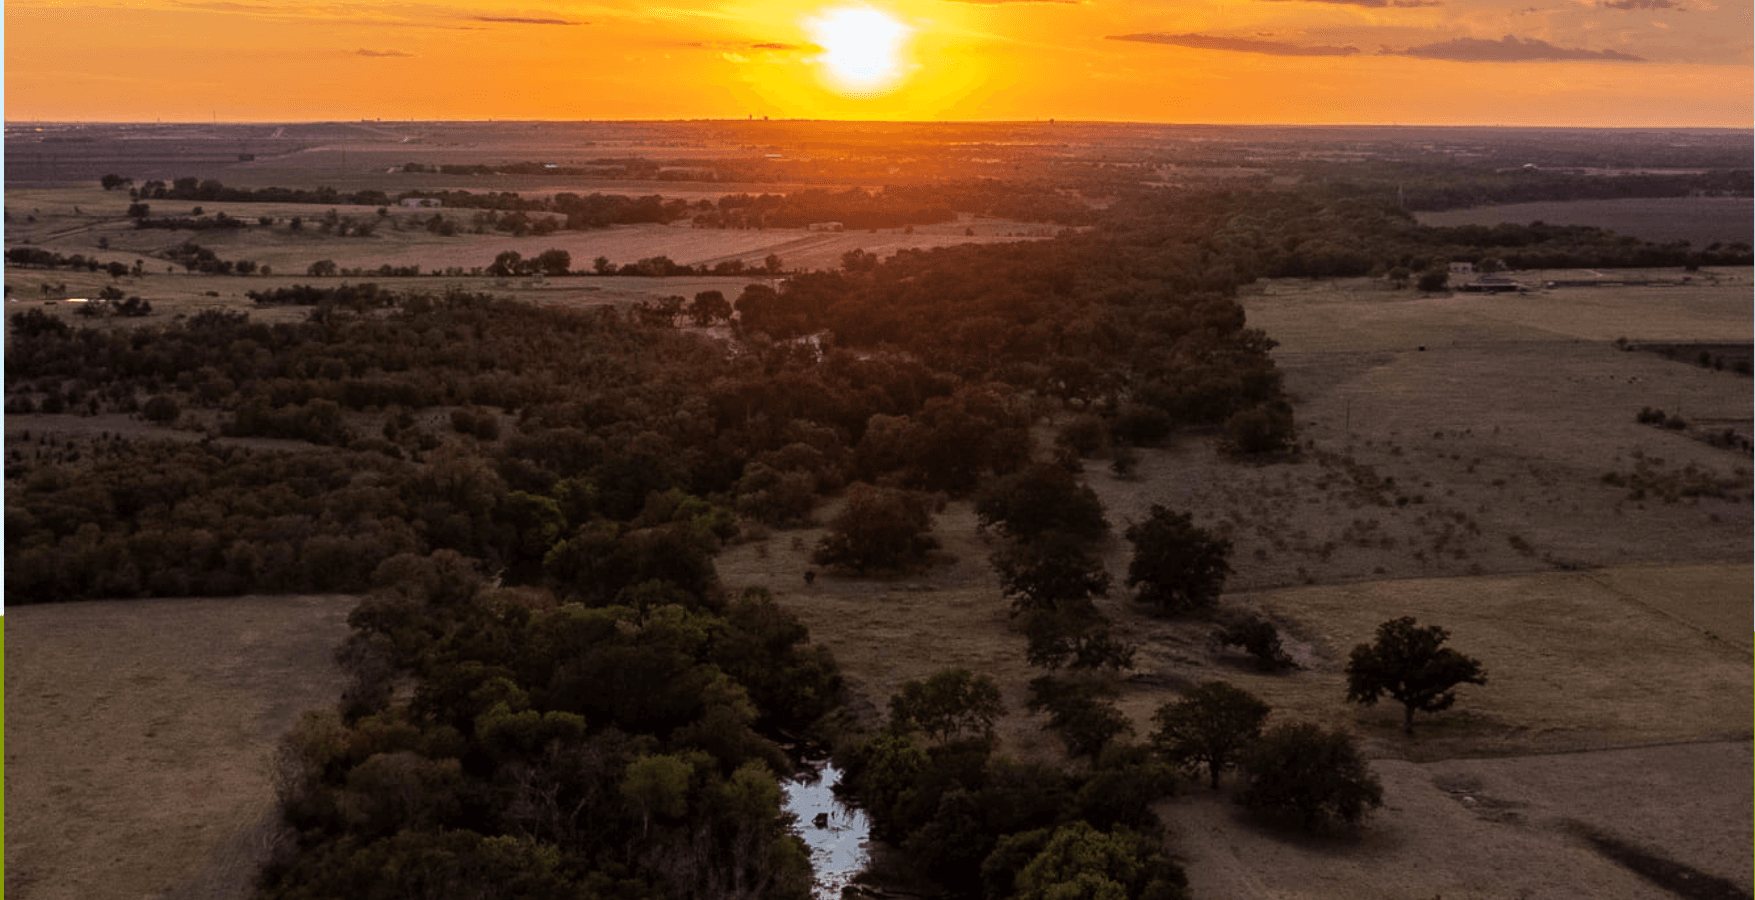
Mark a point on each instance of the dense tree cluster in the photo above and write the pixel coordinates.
(853, 208)
(578, 399)
(984, 825)
(1342, 230)
(38, 258)
(211, 190)
(1446, 185)
(617, 749)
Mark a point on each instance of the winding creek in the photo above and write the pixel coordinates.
(836, 833)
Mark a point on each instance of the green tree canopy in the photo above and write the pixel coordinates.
(1038, 499)
(1176, 566)
(880, 528)
(948, 704)
(1211, 726)
(1304, 771)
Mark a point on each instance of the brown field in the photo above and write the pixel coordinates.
(142, 734)
(1699, 220)
(1453, 466)
(101, 214)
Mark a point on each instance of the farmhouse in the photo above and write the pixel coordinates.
(421, 203)
(825, 226)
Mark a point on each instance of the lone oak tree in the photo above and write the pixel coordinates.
(1410, 664)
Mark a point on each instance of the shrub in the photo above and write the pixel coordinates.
(1086, 434)
(1176, 566)
(1260, 639)
(948, 704)
(1267, 428)
(880, 528)
(1039, 499)
(1313, 775)
(161, 409)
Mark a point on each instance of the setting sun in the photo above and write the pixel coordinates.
(862, 49)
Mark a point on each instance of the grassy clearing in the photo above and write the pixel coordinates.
(1491, 829)
(142, 736)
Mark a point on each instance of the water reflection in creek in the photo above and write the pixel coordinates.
(835, 832)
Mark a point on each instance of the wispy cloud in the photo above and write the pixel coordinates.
(1378, 4)
(222, 6)
(741, 46)
(1235, 45)
(400, 17)
(1510, 49)
(378, 53)
(1642, 4)
(515, 20)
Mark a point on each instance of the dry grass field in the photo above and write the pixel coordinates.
(1699, 220)
(71, 220)
(141, 736)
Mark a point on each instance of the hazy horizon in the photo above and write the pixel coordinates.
(10, 122)
(1475, 63)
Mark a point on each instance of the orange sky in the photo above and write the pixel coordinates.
(1488, 62)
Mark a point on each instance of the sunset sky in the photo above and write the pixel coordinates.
(1485, 62)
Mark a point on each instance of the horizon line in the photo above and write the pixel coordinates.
(1049, 122)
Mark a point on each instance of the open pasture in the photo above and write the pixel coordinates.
(143, 735)
(1701, 221)
(1486, 451)
(75, 220)
(1488, 829)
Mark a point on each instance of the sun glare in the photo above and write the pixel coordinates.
(862, 49)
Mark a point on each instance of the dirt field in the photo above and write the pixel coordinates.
(1701, 221)
(140, 739)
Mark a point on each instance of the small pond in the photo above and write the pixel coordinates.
(835, 832)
